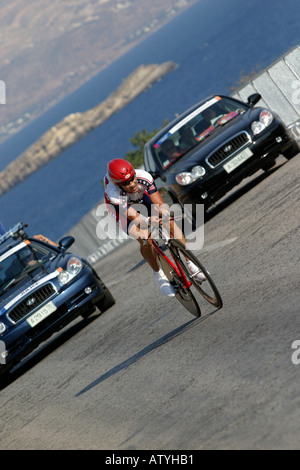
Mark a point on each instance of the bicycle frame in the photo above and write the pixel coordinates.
(176, 267)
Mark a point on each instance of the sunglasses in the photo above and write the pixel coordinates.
(126, 183)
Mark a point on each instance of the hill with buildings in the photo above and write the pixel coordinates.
(50, 48)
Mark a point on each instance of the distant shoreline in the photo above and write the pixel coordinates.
(76, 125)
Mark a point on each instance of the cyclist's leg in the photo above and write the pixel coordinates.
(149, 254)
(177, 234)
(144, 240)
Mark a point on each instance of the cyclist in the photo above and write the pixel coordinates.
(124, 188)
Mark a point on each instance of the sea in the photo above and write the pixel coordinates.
(213, 42)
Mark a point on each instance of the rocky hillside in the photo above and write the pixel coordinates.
(51, 47)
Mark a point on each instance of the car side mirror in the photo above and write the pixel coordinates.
(253, 99)
(66, 242)
(155, 174)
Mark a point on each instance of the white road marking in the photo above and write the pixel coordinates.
(215, 246)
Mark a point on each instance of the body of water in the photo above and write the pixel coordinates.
(213, 42)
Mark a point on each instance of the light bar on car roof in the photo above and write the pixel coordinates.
(13, 232)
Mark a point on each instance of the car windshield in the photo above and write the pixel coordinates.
(195, 128)
(19, 261)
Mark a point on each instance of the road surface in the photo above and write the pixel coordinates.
(147, 375)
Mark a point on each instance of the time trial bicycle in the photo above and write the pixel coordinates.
(175, 268)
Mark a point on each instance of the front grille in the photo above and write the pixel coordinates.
(31, 302)
(228, 149)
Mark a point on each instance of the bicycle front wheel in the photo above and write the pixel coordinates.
(207, 288)
(185, 296)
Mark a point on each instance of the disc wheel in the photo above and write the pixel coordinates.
(185, 296)
(206, 288)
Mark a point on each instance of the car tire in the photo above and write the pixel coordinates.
(269, 165)
(106, 302)
(4, 373)
(187, 215)
(292, 151)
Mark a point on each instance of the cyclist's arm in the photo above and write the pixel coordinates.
(137, 218)
(156, 198)
(159, 207)
(159, 204)
(164, 210)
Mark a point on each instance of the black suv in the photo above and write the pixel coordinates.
(209, 149)
(42, 288)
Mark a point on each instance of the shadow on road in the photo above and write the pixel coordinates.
(139, 355)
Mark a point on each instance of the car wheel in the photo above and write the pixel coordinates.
(4, 373)
(269, 165)
(106, 302)
(292, 151)
(88, 313)
(188, 215)
(193, 216)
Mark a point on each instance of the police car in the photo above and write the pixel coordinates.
(42, 288)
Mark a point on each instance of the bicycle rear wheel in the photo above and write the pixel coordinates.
(185, 296)
(207, 288)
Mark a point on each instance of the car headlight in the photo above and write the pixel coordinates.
(74, 267)
(187, 177)
(2, 328)
(265, 119)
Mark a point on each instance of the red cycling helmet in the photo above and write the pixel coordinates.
(120, 171)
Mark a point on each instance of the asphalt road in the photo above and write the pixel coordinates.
(147, 375)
